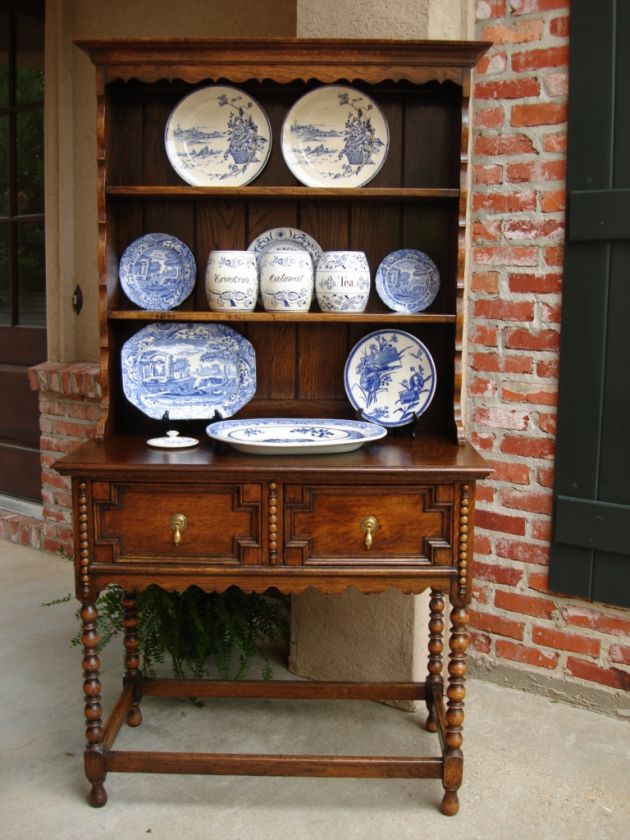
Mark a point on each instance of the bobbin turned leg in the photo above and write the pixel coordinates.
(94, 758)
(436, 646)
(456, 691)
(132, 658)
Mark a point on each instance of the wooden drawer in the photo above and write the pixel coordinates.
(135, 522)
(327, 525)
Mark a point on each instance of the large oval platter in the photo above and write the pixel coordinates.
(188, 371)
(294, 436)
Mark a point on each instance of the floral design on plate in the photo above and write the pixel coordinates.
(335, 136)
(291, 436)
(390, 377)
(188, 371)
(218, 136)
(407, 280)
(157, 271)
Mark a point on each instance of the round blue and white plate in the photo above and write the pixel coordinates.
(335, 136)
(157, 271)
(188, 371)
(285, 239)
(218, 136)
(294, 436)
(407, 280)
(390, 377)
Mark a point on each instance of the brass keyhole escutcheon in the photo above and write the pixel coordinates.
(369, 525)
(178, 523)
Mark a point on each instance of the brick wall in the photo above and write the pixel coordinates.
(519, 149)
(69, 407)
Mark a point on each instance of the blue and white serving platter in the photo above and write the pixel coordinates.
(335, 136)
(218, 136)
(285, 239)
(189, 370)
(295, 436)
(157, 271)
(390, 377)
(407, 280)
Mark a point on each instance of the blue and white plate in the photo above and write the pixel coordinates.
(407, 280)
(390, 377)
(188, 370)
(157, 271)
(285, 239)
(294, 436)
(335, 136)
(218, 136)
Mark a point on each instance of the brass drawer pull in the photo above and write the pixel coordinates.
(369, 525)
(178, 523)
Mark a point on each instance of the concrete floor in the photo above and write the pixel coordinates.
(534, 768)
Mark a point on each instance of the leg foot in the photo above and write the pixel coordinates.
(97, 796)
(134, 717)
(430, 725)
(450, 803)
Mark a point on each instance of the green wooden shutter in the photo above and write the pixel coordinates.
(590, 553)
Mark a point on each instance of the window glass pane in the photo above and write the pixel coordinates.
(5, 300)
(4, 59)
(4, 166)
(29, 71)
(30, 161)
(31, 276)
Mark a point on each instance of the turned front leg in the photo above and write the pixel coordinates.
(436, 647)
(94, 759)
(456, 691)
(132, 655)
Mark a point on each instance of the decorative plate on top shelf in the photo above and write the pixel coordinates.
(188, 371)
(407, 280)
(390, 377)
(157, 271)
(335, 136)
(218, 136)
(285, 239)
(294, 436)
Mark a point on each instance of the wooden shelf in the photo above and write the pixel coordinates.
(286, 317)
(283, 193)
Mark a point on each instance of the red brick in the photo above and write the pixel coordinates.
(555, 142)
(491, 521)
(491, 63)
(522, 500)
(511, 472)
(489, 117)
(501, 418)
(554, 256)
(619, 654)
(485, 9)
(524, 339)
(547, 423)
(483, 440)
(495, 202)
(527, 229)
(538, 113)
(541, 529)
(485, 362)
(551, 313)
(487, 231)
(485, 281)
(548, 368)
(559, 640)
(528, 447)
(506, 255)
(483, 544)
(523, 32)
(583, 617)
(539, 581)
(485, 493)
(537, 59)
(516, 364)
(507, 89)
(504, 144)
(524, 604)
(528, 393)
(556, 84)
(553, 201)
(545, 477)
(525, 7)
(491, 623)
(559, 26)
(522, 552)
(504, 310)
(527, 655)
(488, 174)
(604, 676)
(479, 641)
(480, 387)
(484, 335)
(533, 170)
